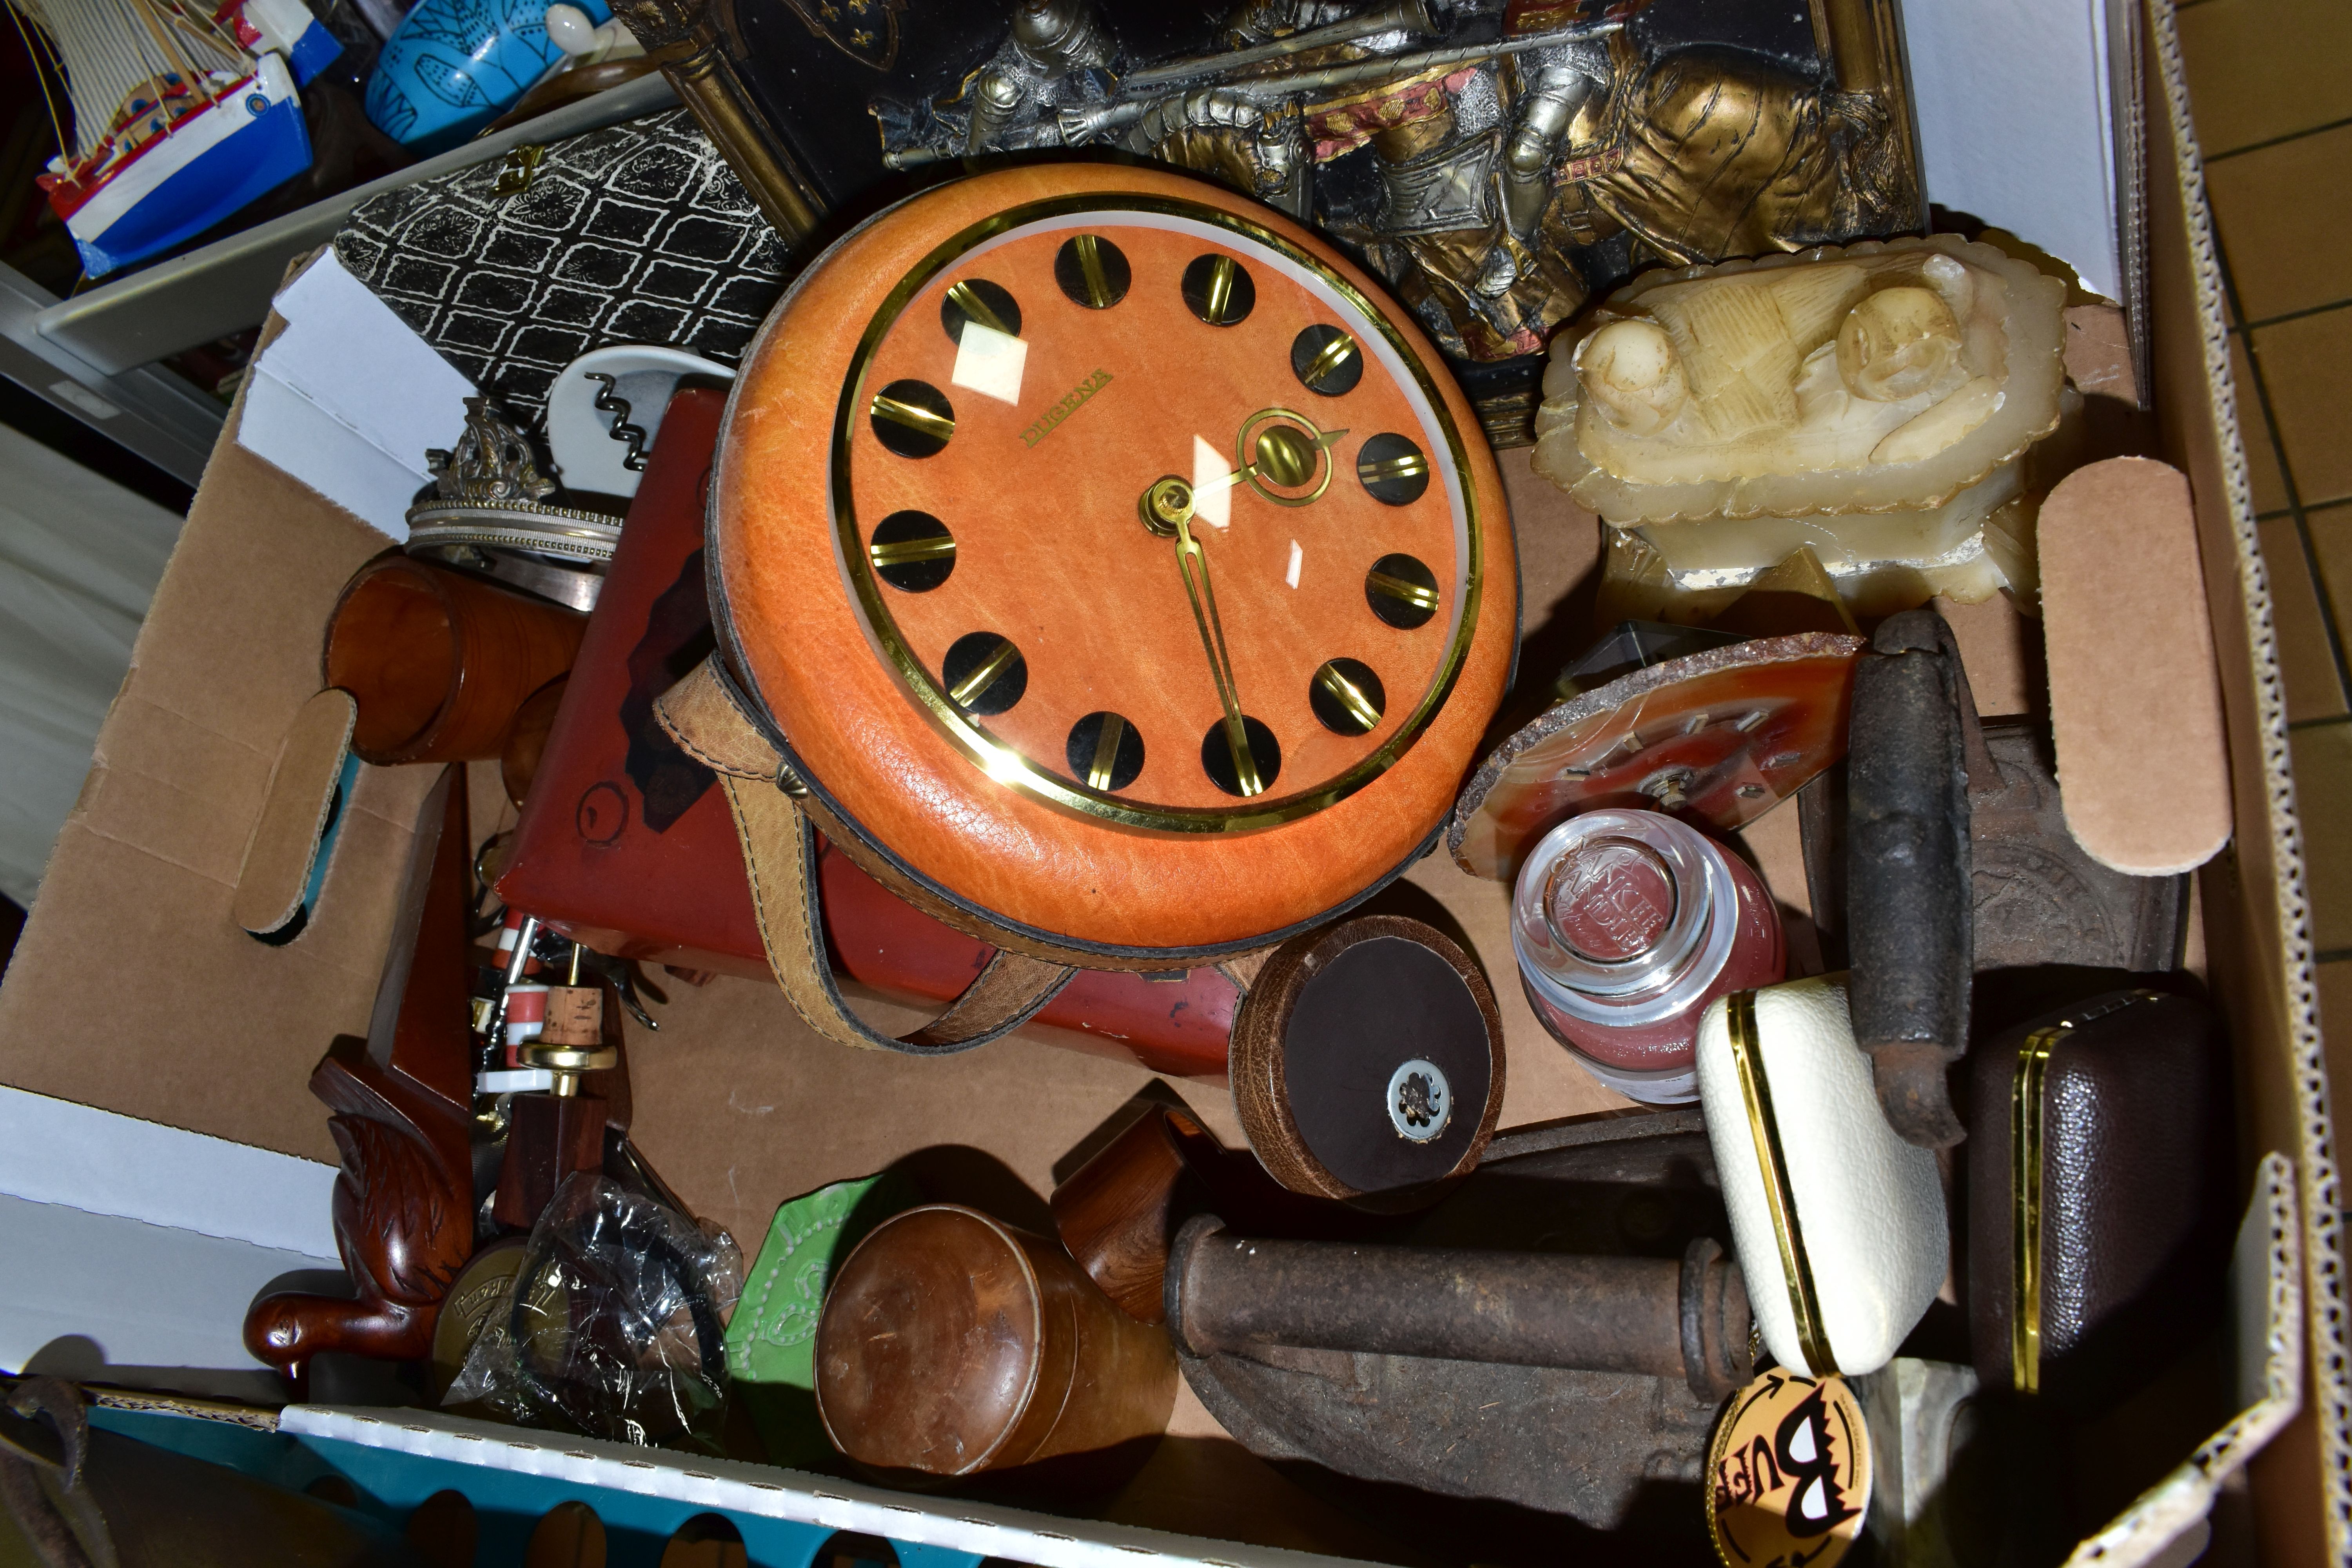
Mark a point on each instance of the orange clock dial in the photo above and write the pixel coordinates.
(1159, 510)
(1112, 561)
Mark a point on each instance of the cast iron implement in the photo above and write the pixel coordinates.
(1916, 751)
(1455, 1446)
(1687, 1319)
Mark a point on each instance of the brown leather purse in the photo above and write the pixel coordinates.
(1106, 566)
(2100, 1194)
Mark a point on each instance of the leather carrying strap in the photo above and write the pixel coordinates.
(707, 715)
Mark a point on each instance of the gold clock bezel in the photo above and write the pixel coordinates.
(1003, 762)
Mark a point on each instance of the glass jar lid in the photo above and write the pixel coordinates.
(1616, 909)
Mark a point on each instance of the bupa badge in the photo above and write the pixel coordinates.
(1788, 1473)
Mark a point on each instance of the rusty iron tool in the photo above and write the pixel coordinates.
(1917, 756)
(1685, 1320)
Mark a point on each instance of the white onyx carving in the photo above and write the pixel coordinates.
(1898, 343)
(1632, 375)
(1866, 378)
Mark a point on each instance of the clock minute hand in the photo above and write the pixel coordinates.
(1195, 568)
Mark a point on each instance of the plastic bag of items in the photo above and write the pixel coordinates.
(615, 1325)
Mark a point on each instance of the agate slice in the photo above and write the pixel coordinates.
(1717, 737)
(1863, 378)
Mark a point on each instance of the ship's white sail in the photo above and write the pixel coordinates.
(176, 123)
(112, 52)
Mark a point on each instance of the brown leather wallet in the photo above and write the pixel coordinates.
(2099, 1194)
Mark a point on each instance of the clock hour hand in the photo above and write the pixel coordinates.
(1195, 568)
(1284, 455)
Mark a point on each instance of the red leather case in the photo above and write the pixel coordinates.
(626, 842)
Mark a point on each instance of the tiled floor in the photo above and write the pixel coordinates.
(2270, 83)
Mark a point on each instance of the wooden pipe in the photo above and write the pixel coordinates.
(402, 1099)
(1118, 1212)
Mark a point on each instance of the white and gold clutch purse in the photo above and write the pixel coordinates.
(1839, 1223)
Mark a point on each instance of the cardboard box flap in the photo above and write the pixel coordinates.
(132, 987)
(2256, 896)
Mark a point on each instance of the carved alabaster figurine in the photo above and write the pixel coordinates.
(1874, 402)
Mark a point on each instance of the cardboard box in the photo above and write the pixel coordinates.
(133, 991)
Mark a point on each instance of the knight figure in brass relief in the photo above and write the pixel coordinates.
(1498, 163)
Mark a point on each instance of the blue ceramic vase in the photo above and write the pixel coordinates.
(453, 65)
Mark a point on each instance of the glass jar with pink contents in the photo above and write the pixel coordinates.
(1627, 924)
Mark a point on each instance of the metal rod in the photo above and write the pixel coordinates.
(1356, 72)
(516, 963)
(1082, 125)
(1407, 16)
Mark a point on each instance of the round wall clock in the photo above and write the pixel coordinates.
(1114, 564)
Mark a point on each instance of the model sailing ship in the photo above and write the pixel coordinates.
(179, 115)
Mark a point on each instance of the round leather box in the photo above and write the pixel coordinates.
(1367, 1063)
